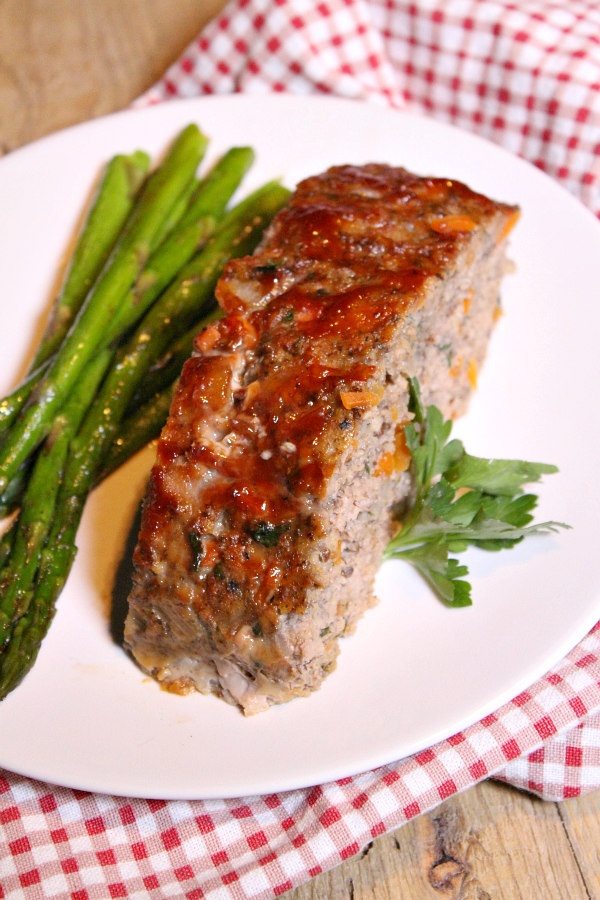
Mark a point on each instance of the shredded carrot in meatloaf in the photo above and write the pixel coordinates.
(361, 399)
(472, 372)
(392, 462)
(510, 223)
(452, 224)
(456, 368)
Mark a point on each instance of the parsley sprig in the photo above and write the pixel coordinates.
(460, 501)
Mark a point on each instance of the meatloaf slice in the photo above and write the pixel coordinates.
(283, 459)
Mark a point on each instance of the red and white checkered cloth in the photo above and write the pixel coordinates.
(63, 843)
(525, 74)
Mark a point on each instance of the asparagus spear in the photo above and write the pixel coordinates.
(138, 430)
(189, 224)
(12, 404)
(160, 270)
(167, 368)
(40, 496)
(176, 213)
(6, 543)
(124, 264)
(162, 267)
(149, 409)
(22, 650)
(11, 497)
(111, 206)
(204, 207)
(215, 190)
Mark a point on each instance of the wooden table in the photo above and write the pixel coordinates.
(65, 61)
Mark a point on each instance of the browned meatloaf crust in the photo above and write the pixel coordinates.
(271, 499)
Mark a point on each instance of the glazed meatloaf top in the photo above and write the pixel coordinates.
(268, 404)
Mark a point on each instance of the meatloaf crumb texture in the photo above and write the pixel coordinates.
(283, 459)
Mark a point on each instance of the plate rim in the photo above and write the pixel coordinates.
(553, 657)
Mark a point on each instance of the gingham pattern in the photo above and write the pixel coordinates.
(58, 842)
(563, 767)
(525, 74)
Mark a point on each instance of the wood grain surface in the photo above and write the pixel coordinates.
(65, 61)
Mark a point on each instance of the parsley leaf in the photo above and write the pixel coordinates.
(442, 573)
(266, 533)
(503, 477)
(460, 501)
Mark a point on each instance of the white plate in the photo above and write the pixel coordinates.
(414, 672)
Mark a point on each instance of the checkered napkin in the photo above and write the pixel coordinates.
(526, 75)
(62, 843)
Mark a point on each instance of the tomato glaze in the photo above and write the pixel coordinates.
(257, 427)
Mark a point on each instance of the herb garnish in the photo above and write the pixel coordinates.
(267, 268)
(461, 500)
(195, 542)
(448, 350)
(266, 533)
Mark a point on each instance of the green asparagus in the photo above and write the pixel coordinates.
(12, 496)
(40, 496)
(205, 207)
(12, 404)
(111, 206)
(137, 431)
(6, 543)
(189, 224)
(162, 267)
(173, 219)
(168, 367)
(215, 190)
(123, 266)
